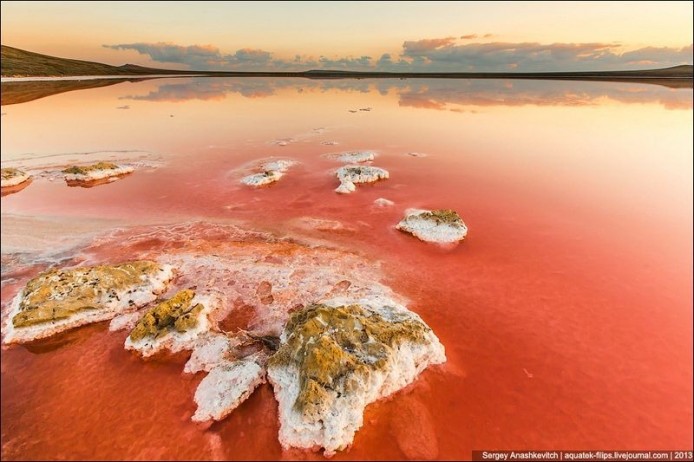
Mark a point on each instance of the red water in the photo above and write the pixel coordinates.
(566, 313)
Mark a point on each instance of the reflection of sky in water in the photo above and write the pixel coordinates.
(443, 94)
(437, 93)
(577, 196)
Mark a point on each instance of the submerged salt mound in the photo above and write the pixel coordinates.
(98, 171)
(351, 174)
(173, 324)
(225, 387)
(336, 358)
(61, 299)
(271, 171)
(441, 226)
(352, 157)
(13, 177)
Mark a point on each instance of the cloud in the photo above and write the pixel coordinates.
(195, 55)
(446, 54)
(426, 45)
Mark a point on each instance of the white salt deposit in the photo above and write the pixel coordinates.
(431, 226)
(351, 174)
(209, 350)
(225, 387)
(270, 172)
(382, 202)
(350, 157)
(99, 174)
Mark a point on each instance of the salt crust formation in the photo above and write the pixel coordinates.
(351, 174)
(330, 339)
(13, 177)
(269, 172)
(173, 324)
(225, 387)
(98, 171)
(61, 299)
(382, 202)
(440, 226)
(352, 157)
(338, 356)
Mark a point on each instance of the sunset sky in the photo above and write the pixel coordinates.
(416, 36)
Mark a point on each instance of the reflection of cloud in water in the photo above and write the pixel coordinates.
(450, 94)
(440, 94)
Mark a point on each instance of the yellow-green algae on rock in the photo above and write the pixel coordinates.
(334, 347)
(60, 293)
(61, 299)
(13, 177)
(445, 216)
(337, 357)
(84, 170)
(175, 313)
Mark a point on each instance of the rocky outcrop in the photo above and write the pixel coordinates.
(61, 299)
(13, 177)
(94, 172)
(336, 358)
(269, 172)
(440, 226)
(351, 174)
(172, 325)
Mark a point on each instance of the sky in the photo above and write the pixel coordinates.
(389, 36)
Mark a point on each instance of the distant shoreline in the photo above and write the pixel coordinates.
(26, 65)
(616, 76)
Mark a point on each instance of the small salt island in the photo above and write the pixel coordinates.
(338, 356)
(95, 172)
(441, 226)
(351, 174)
(352, 157)
(62, 299)
(13, 177)
(270, 172)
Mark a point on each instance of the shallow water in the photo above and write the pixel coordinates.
(566, 313)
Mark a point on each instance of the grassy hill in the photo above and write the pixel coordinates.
(20, 63)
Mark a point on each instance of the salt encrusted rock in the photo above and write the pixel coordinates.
(270, 172)
(13, 177)
(351, 174)
(441, 226)
(61, 299)
(225, 387)
(126, 321)
(173, 324)
(335, 358)
(351, 157)
(94, 172)
(382, 202)
(209, 350)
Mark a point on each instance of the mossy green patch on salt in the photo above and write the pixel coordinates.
(9, 173)
(60, 293)
(442, 216)
(84, 170)
(175, 313)
(334, 346)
